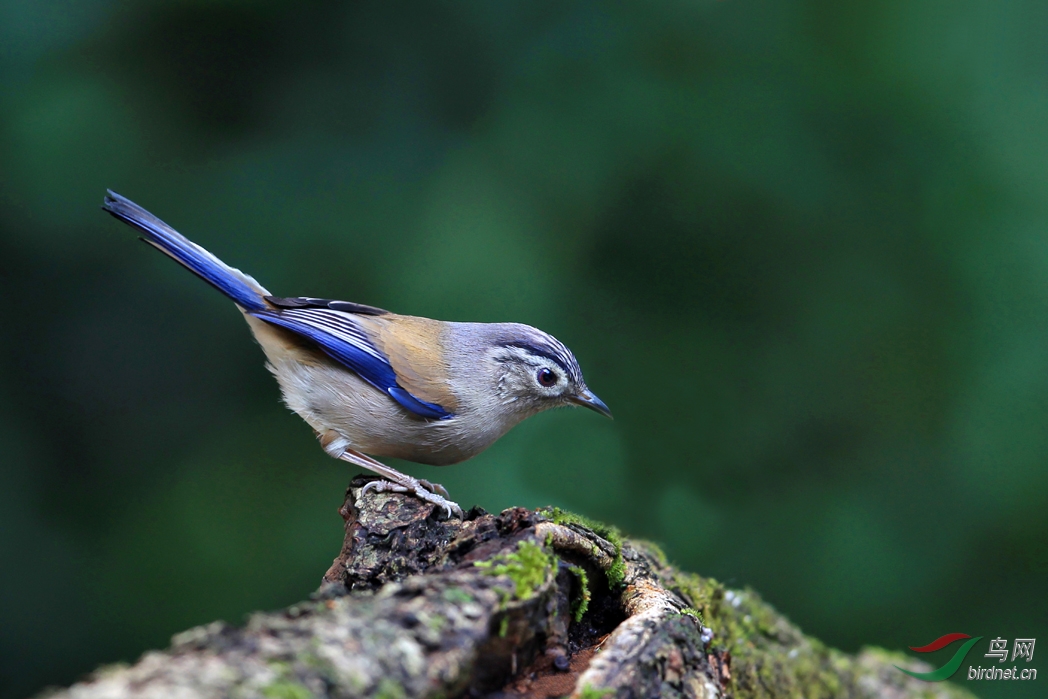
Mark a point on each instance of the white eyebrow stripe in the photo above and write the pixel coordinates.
(551, 350)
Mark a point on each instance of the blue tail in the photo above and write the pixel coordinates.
(240, 287)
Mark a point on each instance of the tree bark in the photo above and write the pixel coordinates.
(520, 604)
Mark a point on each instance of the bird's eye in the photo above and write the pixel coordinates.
(546, 377)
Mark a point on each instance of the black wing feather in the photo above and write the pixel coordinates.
(310, 302)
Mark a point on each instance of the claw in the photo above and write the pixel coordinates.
(436, 488)
(450, 508)
(381, 486)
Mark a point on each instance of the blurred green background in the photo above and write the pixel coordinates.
(801, 249)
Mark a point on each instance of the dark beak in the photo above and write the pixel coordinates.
(587, 400)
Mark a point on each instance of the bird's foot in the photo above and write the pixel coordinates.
(396, 482)
(422, 489)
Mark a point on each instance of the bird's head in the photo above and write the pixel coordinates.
(535, 371)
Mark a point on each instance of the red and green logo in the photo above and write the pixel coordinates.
(949, 668)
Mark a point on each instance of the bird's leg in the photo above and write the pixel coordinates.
(337, 447)
(400, 482)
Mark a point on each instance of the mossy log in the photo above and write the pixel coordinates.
(520, 604)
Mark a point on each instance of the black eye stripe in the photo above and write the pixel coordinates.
(546, 354)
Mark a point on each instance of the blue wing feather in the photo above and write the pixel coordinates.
(417, 406)
(345, 342)
(373, 369)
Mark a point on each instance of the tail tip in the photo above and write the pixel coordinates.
(111, 199)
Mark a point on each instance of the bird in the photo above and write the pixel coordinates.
(372, 383)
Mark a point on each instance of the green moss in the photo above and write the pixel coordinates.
(580, 604)
(739, 618)
(436, 622)
(768, 654)
(287, 689)
(589, 692)
(528, 567)
(390, 689)
(693, 613)
(700, 592)
(504, 627)
(456, 595)
(617, 572)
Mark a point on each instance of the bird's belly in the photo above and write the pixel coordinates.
(330, 398)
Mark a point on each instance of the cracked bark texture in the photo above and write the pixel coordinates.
(489, 606)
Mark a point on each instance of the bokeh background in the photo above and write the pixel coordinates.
(801, 249)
